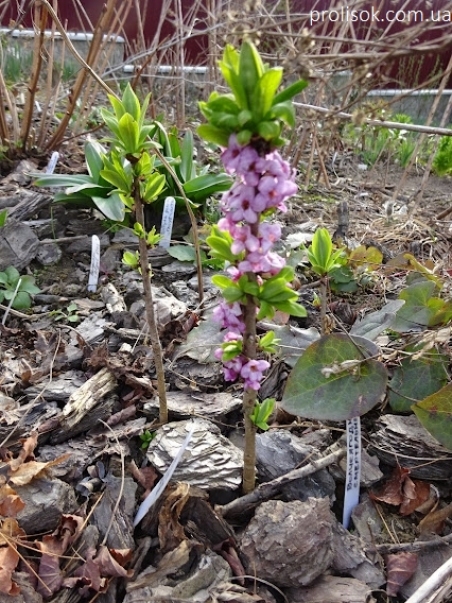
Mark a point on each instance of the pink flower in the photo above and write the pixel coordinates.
(242, 204)
(268, 263)
(252, 371)
(262, 184)
(231, 155)
(229, 315)
(268, 235)
(232, 368)
(247, 166)
(243, 239)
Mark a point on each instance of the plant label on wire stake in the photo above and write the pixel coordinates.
(353, 475)
(95, 264)
(166, 227)
(50, 168)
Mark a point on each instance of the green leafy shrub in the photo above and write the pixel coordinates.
(442, 163)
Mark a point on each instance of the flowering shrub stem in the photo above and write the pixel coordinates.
(249, 396)
(146, 273)
(248, 124)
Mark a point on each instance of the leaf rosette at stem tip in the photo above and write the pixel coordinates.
(254, 110)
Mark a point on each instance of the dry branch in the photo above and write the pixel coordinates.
(268, 490)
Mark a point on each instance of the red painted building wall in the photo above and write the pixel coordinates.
(322, 17)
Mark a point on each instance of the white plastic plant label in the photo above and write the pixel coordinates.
(50, 168)
(95, 264)
(353, 476)
(166, 227)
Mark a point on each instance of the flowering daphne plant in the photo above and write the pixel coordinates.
(248, 123)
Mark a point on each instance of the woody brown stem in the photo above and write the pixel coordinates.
(146, 273)
(249, 397)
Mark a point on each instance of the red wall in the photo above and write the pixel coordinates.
(401, 72)
(67, 12)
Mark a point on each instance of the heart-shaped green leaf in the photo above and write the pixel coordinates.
(435, 414)
(414, 380)
(335, 379)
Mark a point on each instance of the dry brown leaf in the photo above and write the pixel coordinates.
(415, 494)
(399, 569)
(146, 476)
(26, 453)
(31, 470)
(9, 558)
(108, 565)
(10, 502)
(52, 547)
(87, 575)
(10, 531)
(391, 491)
(401, 490)
(433, 522)
(170, 531)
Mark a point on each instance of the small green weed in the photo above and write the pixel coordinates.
(17, 288)
(146, 438)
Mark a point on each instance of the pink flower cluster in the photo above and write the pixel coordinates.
(263, 184)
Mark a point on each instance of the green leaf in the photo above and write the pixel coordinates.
(244, 117)
(243, 137)
(93, 157)
(186, 168)
(201, 187)
(28, 285)
(131, 259)
(324, 384)
(229, 67)
(266, 310)
(220, 281)
(131, 103)
(435, 414)
(292, 308)
(12, 274)
(128, 134)
(111, 122)
(251, 70)
(262, 412)
(320, 251)
(268, 130)
(87, 190)
(153, 186)
(183, 253)
(213, 134)
(220, 248)
(112, 206)
(235, 84)
(289, 92)
(232, 294)
(271, 289)
(376, 322)
(117, 105)
(22, 301)
(63, 180)
(283, 111)
(3, 216)
(265, 90)
(224, 104)
(268, 342)
(225, 121)
(116, 179)
(421, 308)
(231, 58)
(415, 379)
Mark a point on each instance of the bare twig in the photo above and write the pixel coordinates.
(267, 490)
